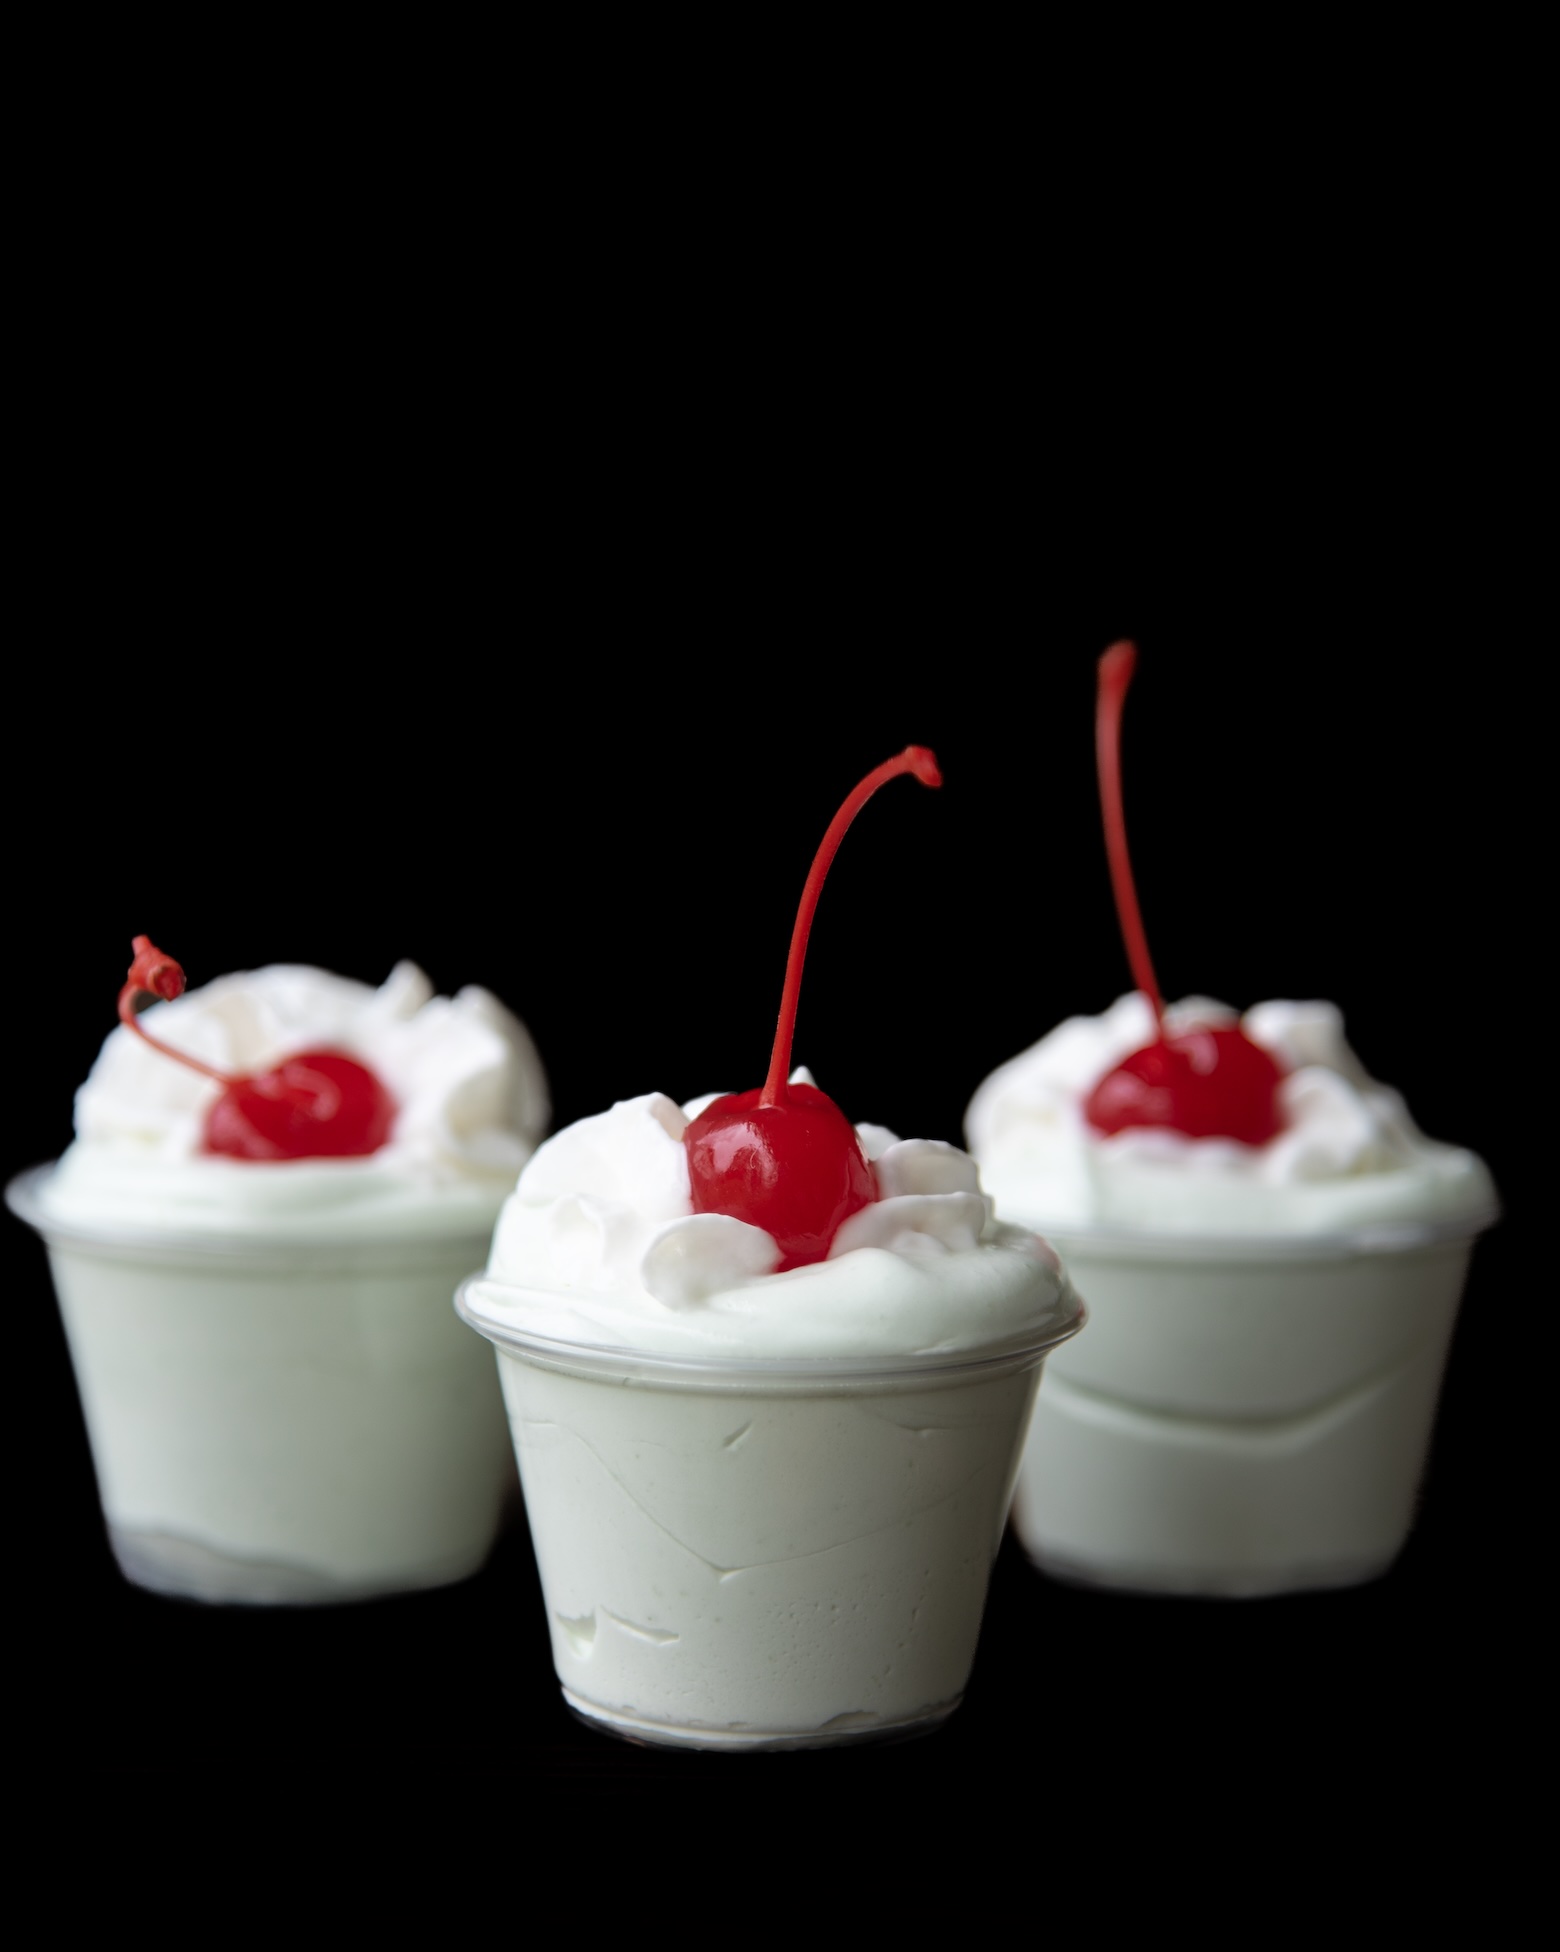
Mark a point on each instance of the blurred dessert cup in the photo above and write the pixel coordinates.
(280, 1405)
(1252, 1408)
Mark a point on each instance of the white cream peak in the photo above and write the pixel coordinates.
(1349, 1155)
(599, 1243)
(469, 1088)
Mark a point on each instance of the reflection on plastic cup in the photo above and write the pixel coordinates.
(765, 1554)
(274, 1422)
(1246, 1415)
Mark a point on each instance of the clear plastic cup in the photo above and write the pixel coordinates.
(275, 1422)
(1247, 1415)
(768, 1554)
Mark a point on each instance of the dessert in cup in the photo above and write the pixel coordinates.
(276, 1181)
(1273, 1255)
(768, 1375)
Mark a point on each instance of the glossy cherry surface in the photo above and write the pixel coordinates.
(1206, 1083)
(796, 1169)
(785, 1157)
(313, 1105)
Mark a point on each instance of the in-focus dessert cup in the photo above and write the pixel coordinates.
(768, 1372)
(1247, 1415)
(280, 1422)
(767, 1553)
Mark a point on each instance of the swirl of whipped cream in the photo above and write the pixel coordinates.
(1349, 1155)
(599, 1244)
(470, 1093)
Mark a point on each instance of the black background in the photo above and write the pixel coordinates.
(554, 690)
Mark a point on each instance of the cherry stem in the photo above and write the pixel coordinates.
(922, 762)
(154, 974)
(1116, 669)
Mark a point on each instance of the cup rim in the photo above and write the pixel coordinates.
(1026, 1347)
(1375, 1239)
(233, 1246)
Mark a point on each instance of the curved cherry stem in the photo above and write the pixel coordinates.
(1116, 668)
(922, 762)
(154, 974)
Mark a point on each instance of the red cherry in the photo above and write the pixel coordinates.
(314, 1105)
(786, 1158)
(1212, 1083)
(1209, 1083)
(796, 1170)
(317, 1105)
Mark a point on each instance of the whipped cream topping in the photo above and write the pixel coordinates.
(1349, 1156)
(469, 1088)
(599, 1244)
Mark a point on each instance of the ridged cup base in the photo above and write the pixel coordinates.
(182, 1569)
(846, 1730)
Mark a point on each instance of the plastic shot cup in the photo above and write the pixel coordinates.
(763, 1554)
(1247, 1415)
(275, 1422)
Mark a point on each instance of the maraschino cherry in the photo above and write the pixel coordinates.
(785, 1157)
(313, 1105)
(1206, 1083)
